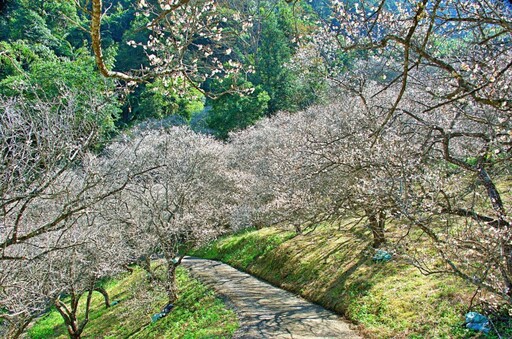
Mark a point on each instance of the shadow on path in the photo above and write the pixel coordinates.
(266, 311)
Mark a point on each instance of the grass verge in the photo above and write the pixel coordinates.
(197, 313)
(334, 268)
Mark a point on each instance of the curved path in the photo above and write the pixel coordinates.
(266, 311)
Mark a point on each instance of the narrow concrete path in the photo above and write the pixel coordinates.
(266, 311)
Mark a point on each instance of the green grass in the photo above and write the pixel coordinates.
(197, 313)
(334, 268)
(243, 248)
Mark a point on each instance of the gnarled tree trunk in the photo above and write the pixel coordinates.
(105, 295)
(70, 314)
(377, 221)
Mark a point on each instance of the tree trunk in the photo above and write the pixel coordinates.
(105, 295)
(492, 193)
(171, 286)
(377, 223)
(507, 248)
(69, 314)
(497, 205)
(505, 256)
(70, 321)
(97, 7)
(145, 263)
(128, 268)
(298, 229)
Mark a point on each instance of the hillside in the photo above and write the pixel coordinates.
(134, 130)
(197, 313)
(335, 270)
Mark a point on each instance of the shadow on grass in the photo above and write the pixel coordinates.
(339, 287)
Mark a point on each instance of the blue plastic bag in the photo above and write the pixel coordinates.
(157, 316)
(477, 322)
(382, 256)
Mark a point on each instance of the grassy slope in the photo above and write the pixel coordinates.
(334, 269)
(197, 314)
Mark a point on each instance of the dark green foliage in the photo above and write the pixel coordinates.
(279, 28)
(159, 100)
(44, 23)
(16, 57)
(129, 57)
(26, 24)
(45, 45)
(274, 51)
(39, 34)
(232, 112)
(118, 22)
(52, 77)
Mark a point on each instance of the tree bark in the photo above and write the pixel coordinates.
(97, 6)
(105, 295)
(69, 314)
(145, 263)
(129, 269)
(171, 286)
(497, 205)
(377, 222)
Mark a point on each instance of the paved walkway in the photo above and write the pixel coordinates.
(266, 311)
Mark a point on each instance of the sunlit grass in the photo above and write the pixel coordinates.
(334, 268)
(197, 314)
(243, 248)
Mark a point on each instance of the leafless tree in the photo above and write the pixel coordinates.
(447, 64)
(51, 186)
(184, 201)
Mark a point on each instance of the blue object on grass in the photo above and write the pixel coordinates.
(168, 308)
(382, 256)
(157, 317)
(477, 322)
(165, 311)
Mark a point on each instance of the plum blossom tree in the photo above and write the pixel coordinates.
(99, 253)
(374, 174)
(266, 154)
(322, 164)
(62, 277)
(41, 141)
(463, 47)
(183, 201)
(189, 42)
(457, 202)
(67, 262)
(51, 189)
(447, 65)
(23, 298)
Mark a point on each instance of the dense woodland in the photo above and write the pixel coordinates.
(136, 129)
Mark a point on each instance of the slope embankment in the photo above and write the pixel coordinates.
(334, 268)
